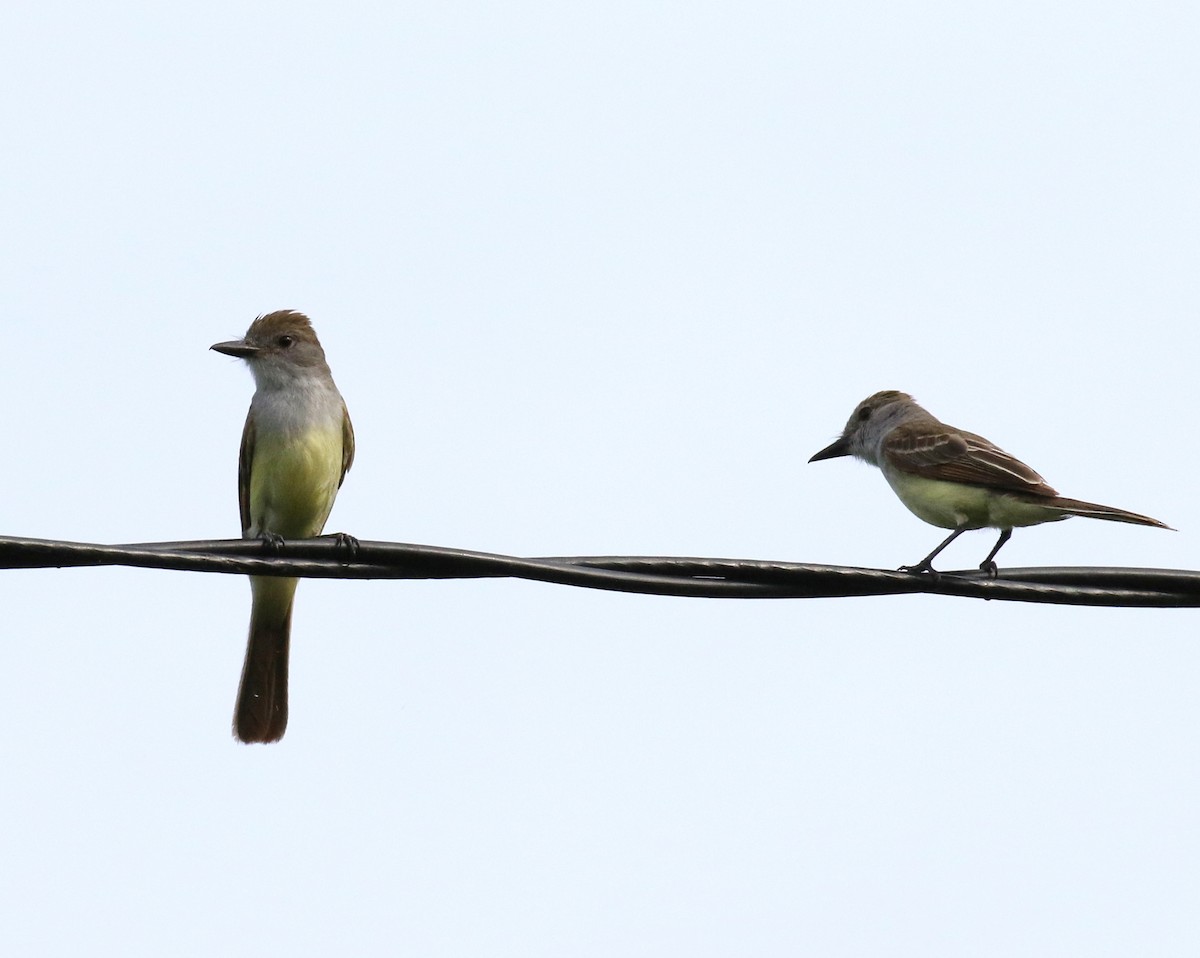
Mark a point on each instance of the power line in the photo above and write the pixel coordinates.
(331, 558)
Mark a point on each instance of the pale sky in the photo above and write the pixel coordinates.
(599, 280)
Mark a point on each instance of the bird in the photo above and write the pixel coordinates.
(955, 479)
(297, 446)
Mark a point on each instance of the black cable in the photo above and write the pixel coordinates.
(327, 557)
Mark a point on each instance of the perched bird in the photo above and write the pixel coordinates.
(955, 479)
(297, 445)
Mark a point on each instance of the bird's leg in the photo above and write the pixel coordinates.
(926, 564)
(345, 544)
(988, 565)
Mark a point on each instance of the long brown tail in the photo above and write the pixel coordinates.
(1095, 511)
(262, 702)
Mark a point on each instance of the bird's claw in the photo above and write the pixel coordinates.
(272, 542)
(346, 544)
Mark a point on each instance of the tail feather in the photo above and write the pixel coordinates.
(261, 713)
(1094, 510)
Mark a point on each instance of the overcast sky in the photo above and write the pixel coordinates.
(599, 279)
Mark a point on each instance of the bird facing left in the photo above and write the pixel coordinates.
(297, 446)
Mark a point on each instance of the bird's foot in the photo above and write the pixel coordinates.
(272, 543)
(921, 568)
(989, 568)
(346, 544)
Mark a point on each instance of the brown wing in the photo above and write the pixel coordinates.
(245, 458)
(942, 452)
(347, 443)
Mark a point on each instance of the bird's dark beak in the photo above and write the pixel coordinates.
(238, 347)
(839, 447)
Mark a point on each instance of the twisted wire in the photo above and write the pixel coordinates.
(333, 558)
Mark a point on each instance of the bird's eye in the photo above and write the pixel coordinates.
(285, 341)
(864, 414)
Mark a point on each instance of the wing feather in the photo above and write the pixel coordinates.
(954, 455)
(245, 460)
(347, 443)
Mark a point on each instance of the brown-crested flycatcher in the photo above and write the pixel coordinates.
(955, 479)
(296, 448)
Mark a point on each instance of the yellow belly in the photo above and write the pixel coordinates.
(293, 483)
(956, 505)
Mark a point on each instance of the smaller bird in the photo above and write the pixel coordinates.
(955, 479)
